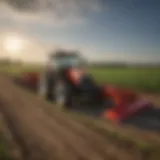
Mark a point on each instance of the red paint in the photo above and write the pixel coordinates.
(127, 103)
(120, 96)
(30, 78)
(111, 115)
(133, 108)
(75, 75)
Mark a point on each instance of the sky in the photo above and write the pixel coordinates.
(104, 30)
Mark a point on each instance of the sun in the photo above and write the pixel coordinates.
(13, 44)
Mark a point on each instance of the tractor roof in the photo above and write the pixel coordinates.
(63, 53)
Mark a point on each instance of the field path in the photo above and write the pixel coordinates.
(43, 134)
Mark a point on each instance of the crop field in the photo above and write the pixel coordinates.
(40, 131)
(140, 79)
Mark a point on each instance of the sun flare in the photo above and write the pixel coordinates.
(13, 44)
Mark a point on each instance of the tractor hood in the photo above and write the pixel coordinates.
(76, 74)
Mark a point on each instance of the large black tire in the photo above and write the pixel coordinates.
(46, 86)
(63, 94)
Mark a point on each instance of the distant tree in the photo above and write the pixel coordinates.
(5, 61)
(108, 64)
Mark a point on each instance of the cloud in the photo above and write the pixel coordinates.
(49, 12)
(34, 49)
(23, 16)
(59, 7)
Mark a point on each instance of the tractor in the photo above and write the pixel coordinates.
(66, 82)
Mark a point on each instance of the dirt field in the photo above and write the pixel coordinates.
(43, 134)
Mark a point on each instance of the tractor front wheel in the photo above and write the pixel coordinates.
(62, 95)
(45, 88)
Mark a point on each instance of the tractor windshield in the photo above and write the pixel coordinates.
(67, 61)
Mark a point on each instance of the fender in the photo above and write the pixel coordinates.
(31, 78)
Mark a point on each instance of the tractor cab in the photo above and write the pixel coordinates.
(62, 60)
(67, 66)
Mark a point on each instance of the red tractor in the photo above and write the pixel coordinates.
(67, 83)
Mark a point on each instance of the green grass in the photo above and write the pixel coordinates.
(4, 148)
(141, 79)
(16, 70)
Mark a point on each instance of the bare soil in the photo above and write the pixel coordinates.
(155, 98)
(44, 134)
